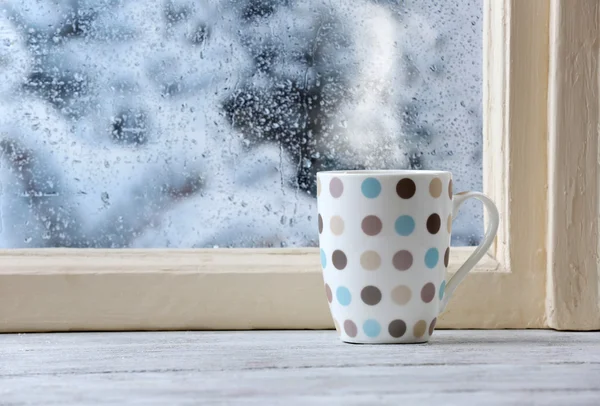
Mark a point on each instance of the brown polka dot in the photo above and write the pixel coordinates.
(428, 292)
(350, 328)
(435, 187)
(447, 257)
(405, 188)
(320, 224)
(370, 295)
(432, 326)
(339, 260)
(337, 326)
(449, 225)
(318, 187)
(450, 189)
(328, 293)
(336, 187)
(401, 295)
(397, 328)
(402, 260)
(371, 225)
(420, 328)
(434, 223)
(337, 225)
(370, 260)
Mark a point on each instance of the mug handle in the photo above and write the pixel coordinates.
(481, 250)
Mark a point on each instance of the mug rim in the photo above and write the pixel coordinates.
(385, 172)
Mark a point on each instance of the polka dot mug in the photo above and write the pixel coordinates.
(384, 238)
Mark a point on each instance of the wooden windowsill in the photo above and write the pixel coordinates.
(222, 289)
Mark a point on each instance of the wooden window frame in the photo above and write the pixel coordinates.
(540, 167)
(573, 284)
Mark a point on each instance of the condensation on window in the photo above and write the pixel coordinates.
(176, 123)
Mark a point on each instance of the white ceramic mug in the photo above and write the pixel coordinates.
(385, 245)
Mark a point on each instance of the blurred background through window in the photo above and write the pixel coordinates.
(184, 124)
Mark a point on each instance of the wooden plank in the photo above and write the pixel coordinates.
(496, 101)
(573, 298)
(299, 368)
(114, 290)
(515, 143)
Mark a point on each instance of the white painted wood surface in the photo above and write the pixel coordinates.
(515, 57)
(573, 298)
(299, 368)
(116, 290)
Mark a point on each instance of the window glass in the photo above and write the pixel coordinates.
(203, 123)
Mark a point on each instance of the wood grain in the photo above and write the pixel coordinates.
(298, 368)
(515, 142)
(115, 290)
(573, 298)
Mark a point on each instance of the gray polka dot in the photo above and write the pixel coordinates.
(336, 187)
(371, 295)
(371, 225)
(328, 293)
(447, 257)
(428, 292)
(320, 224)
(397, 328)
(339, 260)
(350, 328)
(402, 260)
(432, 326)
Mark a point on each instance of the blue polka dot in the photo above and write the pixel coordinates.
(405, 225)
(371, 328)
(323, 259)
(442, 289)
(343, 296)
(431, 257)
(371, 188)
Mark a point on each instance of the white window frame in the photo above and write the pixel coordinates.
(573, 284)
(541, 121)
